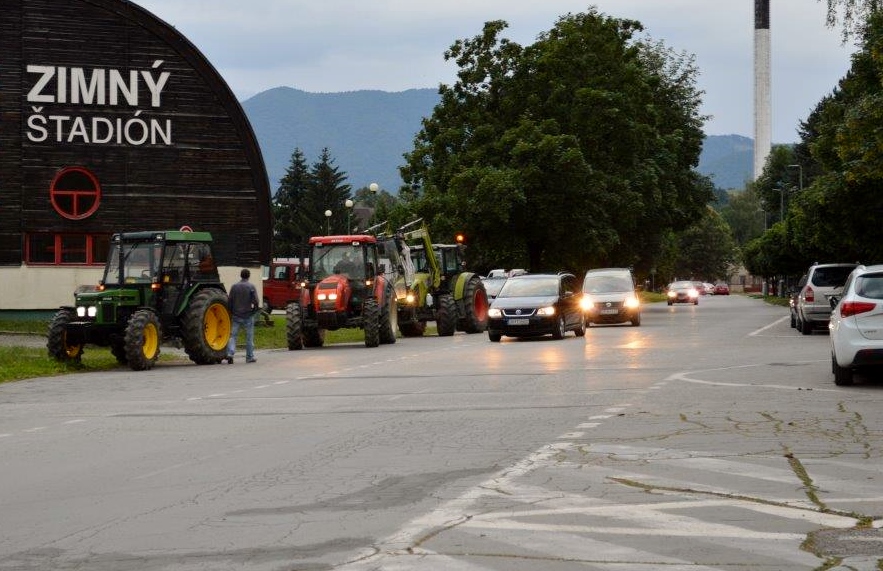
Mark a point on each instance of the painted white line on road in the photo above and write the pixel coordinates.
(281, 382)
(77, 421)
(600, 416)
(687, 379)
(571, 435)
(588, 425)
(764, 328)
(5, 435)
(35, 429)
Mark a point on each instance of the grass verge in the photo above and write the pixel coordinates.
(18, 363)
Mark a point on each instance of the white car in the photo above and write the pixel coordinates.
(856, 324)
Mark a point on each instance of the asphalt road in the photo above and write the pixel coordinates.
(709, 438)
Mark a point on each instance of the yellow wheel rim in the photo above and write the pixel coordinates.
(151, 341)
(217, 326)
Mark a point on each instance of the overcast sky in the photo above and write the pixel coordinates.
(394, 45)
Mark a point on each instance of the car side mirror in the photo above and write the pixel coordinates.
(834, 300)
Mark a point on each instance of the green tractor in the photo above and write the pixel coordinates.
(158, 287)
(438, 288)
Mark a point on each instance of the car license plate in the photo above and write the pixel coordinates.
(609, 311)
(522, 321)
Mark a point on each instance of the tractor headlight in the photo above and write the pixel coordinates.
(409, 299)
(87, 311)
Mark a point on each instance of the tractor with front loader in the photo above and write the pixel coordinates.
(438, 286)
(344, 286)
(158, 287)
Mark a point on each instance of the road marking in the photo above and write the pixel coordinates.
(765, 327)
(571, 435)
(35, 429)
(685, 377)
(588, 425)
(77, 421)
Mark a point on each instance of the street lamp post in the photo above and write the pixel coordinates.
(349, 211)
(800, 174)
(327, 222)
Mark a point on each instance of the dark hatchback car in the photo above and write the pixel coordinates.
(532, 305)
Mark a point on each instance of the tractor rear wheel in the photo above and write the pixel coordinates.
(389, 320)
(142, 340)
(371, 317)
(57, 343)
(294, 327)
(446, 320)
(207, 325)
(475, 306)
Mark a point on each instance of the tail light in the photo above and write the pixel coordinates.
(809, 295)
(848, 308)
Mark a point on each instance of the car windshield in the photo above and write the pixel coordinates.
(681, 285)
(606, 284)
(533, 287)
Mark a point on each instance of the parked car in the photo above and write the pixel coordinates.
(856, 324)
(793, 294)
(709, 288)
(721, 288)
(813, 303)
(682, 292)
(609, 296)
(532, 305)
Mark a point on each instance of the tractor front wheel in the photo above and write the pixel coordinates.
(389, 320)
(294, 327)
(207, 325)
(57, 343)
(142, 340)
(446, 320)
(371, 316)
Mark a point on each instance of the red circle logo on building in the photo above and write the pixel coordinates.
(75, 193)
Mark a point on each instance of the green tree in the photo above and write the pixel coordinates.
(582, 146)
(837, 217)
(744, 215)
(328, 192)
(290, 227)
(707, 249)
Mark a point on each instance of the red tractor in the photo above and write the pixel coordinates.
(344, 286)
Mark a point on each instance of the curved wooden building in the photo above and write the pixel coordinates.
(112, 121)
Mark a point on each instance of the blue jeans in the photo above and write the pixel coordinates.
(248, 323)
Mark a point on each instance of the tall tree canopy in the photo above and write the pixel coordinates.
(576, 151)
(303, 197)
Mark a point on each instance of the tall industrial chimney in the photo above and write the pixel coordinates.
(762, 100)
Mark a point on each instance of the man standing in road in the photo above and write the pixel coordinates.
(243, 301)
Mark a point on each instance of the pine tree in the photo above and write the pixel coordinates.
(290, 232)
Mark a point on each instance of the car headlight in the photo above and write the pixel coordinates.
(693, 293)
(494, 312)
(632, 302)
(672, 293)
(586, 302)
(546, 310)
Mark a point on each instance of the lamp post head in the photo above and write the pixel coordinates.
(349, 203)
(328, 214)
(374, 187)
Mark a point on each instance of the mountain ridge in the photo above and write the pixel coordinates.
(367, 132)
